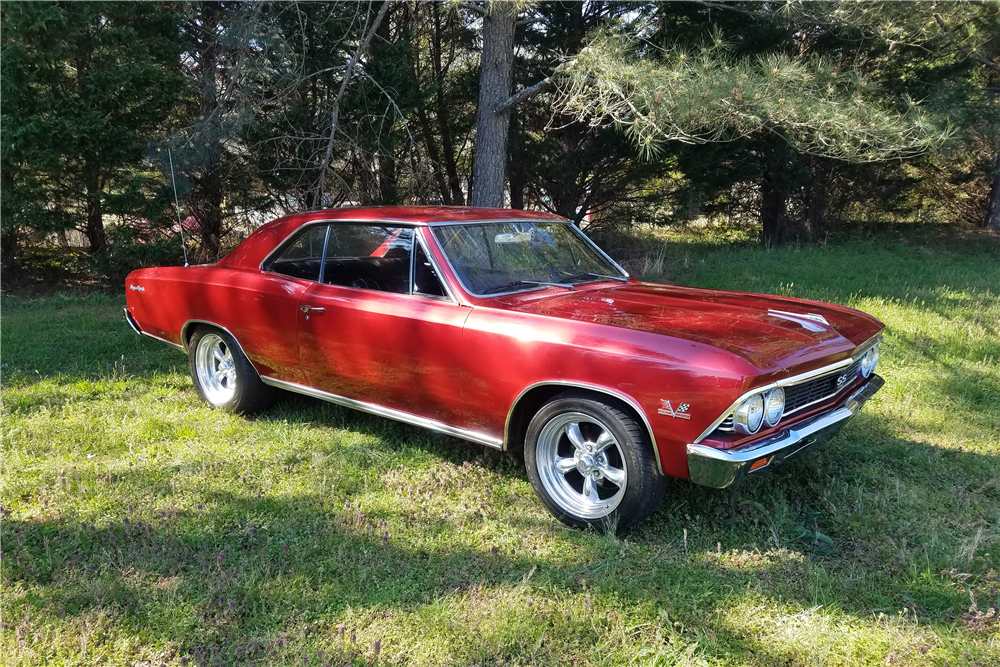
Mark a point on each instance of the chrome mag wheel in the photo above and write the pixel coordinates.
(216, 369)
(581, 465)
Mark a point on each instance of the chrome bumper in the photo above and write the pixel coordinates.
(131, 322)
(721, 467)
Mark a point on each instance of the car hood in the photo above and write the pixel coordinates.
(767, 331)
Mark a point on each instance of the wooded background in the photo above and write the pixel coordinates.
(781, 121)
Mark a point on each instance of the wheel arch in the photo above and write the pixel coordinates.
(187, 331)
(532, 398)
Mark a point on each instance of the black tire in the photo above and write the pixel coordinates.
(240, 390)
(548, 441)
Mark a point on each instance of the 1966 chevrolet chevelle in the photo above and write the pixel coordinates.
(513, 330)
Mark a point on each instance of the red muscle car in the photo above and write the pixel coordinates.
(512, 329)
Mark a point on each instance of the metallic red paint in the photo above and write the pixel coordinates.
(465, 362)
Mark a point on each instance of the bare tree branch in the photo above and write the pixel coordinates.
(367, 37)
(531, 91)
(473, 7)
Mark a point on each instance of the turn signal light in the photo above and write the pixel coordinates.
(760, 463)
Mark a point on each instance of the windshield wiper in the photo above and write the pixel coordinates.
(595, 276)
(501, 288)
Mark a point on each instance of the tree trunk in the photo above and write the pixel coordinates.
(210, 213)
(8, 253)
(816, 203)
(494, 89)
(992, 221)
(772, 211)
(515, 169)
(447, 143)
(385, 158)
(94, 225)
(432, 153)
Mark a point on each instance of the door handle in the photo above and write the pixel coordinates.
(312, 309)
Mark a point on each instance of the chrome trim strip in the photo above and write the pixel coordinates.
(414, 226)
(537, 288)
(719, 468)
(419, 236)
(281, 244)
(784, 382)
(217, 326)
(131, 322)
(135, 327)
(593, 387)
(825, 398)
(391, 413)
(384, 221)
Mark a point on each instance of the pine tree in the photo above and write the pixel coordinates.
(85, 85)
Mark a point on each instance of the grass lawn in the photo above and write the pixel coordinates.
(140, 527)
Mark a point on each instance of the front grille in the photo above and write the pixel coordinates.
(804, 394)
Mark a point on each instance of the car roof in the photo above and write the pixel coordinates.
(252, 251)
(418, 215)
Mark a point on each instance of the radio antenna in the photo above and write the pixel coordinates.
(177, 205)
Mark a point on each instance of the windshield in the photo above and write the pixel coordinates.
(499, 257)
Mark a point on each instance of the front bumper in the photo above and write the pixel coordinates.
(719, 468)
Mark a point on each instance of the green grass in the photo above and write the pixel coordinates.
(140, 527)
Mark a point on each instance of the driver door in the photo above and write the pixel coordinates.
(370, 332)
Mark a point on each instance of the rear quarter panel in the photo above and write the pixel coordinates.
(258, 308)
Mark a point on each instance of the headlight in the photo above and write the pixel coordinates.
(869, 361)
(774, 406)
(749, 415)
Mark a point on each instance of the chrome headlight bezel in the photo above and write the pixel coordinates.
(869, 361)
(749, 415)
(774, 406)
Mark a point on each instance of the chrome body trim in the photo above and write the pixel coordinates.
(719, 468)
(217, 326)
(785, 382)
(414, 226)
(131, 322)
(135, 327)
(586, 239)
(821, 400)
(383, 221)
(592, 387)
(419, 236)
(391, 413)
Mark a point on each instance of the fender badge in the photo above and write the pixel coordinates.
(137, 288)
(680, 413)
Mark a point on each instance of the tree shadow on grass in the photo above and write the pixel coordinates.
(273, 590)
(250, 574)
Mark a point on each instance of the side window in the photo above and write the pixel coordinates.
(304, 256)
(425, 278)
(372, 257)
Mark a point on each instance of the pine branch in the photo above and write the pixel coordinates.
(964, 49)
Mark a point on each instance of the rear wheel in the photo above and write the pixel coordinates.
(591, 464)
(222, 374)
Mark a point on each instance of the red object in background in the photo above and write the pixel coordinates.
(481, 367)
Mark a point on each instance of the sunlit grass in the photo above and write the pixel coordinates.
(140, 526)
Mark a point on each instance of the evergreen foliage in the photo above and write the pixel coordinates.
(786, 119)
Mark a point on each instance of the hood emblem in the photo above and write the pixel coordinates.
(680, 413)
(137, 288)
(808, 321)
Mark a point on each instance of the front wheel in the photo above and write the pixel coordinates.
(591, 464)
(222, 374)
